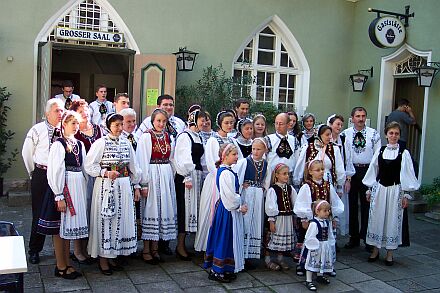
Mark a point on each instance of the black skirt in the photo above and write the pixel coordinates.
(50, 217)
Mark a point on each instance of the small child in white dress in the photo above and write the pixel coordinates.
(318, 253)
(280, 199)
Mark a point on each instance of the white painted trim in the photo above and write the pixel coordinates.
(295, 52)
(386, 92)
(53, 21)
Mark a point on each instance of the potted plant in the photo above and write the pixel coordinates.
(6, 159)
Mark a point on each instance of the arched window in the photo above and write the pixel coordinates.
(269, 70)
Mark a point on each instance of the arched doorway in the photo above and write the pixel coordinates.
(86, 42)
(398, 80)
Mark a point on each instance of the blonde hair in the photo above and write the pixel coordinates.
(320, 204)
(276, 171)
(309, 166)
(224, 150)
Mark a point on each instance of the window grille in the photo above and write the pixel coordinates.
(407, 66)
(265, 71)
(89, 16)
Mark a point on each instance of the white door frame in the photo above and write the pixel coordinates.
(386, 92)
(51, 24)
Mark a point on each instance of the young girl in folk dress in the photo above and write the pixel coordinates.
(209, 196)
(318, 254)
(244, 136)
(224, 251)
(158, 205)
(67, 180)
(314, 188)
(254, 181)
(280, 199)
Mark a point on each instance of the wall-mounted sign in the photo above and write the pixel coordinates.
(387, 32)
(88, 35)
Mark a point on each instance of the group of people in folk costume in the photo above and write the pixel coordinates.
(242, 191)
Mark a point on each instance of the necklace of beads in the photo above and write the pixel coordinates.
(259, 166)
(162, 143)
(72, 146)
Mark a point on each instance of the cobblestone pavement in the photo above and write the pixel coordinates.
(416, 269)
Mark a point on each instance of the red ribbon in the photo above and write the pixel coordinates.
(68, 199)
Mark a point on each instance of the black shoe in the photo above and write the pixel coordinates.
(300, 271)
(368, 248)
(107, 272)
(322, 280)
(166, 250)
(86, 261)
(218, 277)
(311, 286)
(249, 266)
(331, 274)
(151, 261)
(373, 259)
(182, 257)
(63, 273)
(34, 258)
(389, 262)
(230, 276)
(352, 244)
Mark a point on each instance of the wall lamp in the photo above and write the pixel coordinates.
(358, 79)
(426, 73)
(185, 59)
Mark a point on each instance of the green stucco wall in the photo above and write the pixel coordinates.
(332, 34)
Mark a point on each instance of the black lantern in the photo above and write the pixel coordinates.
(358, 80)
(426, 73)
(185, 59)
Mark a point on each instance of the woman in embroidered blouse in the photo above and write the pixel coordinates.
(336, 123)
(112, 220)
(188, 180)
(244, 136)
(65, 175)
(390, 177)
(324, 150)
(209, 196)
(308, 123)
(88, 133)
(158, 204)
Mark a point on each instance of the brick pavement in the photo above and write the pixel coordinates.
(416, 269)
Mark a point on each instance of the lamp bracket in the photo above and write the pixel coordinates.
(405, 17)
(370, 71)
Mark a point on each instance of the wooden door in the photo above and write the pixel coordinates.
(154, 75)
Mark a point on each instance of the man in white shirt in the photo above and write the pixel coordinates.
(164, 102)
(361, 142)
(100, 108)
(35, 155)
(67, 96)
(282, 147)
(129, 126)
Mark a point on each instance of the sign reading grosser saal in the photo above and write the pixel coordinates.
(88, 35)
(387, 32)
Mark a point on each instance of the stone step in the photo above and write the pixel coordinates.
(417, 206)
(19, 198)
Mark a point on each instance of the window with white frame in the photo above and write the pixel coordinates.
(90, 16)
(265, 71)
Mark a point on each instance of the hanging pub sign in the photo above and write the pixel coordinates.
(387, 32)
(88, 35)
